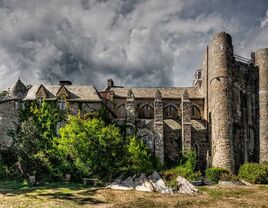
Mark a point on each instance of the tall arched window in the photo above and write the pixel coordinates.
(146, 111)
(170, 111)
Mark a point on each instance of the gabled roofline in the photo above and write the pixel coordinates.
(63, 86)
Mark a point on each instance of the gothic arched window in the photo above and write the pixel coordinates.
(170, 111)
(146, 111)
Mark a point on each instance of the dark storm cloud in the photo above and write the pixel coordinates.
(135, 42)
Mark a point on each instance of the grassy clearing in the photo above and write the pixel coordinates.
(14, 194)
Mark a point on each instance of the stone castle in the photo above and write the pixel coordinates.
(223, 116)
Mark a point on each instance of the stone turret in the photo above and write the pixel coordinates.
(220, 57)
(158, 126)
(261, 60)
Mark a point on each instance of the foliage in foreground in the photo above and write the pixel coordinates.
(187, 169)
(140, 158)
(86, 147)
(96, 149)
(32, 141)
(215, 174)
(254, 173)
(91, 147)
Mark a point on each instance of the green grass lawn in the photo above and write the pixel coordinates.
(18, 194)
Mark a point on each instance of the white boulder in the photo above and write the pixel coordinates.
(185, 187)
(158, 183)
(120, 184)
(143, 184)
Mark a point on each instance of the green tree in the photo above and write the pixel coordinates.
(33, 139)
(25, 146)
(140, 158)
(94, 148)
(47, 116)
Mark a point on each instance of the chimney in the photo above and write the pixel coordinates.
(65, 82)
(110, 83)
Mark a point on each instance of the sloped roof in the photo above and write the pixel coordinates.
(18, 90)
(149, 92)
(77, 92)
(175, 125)
(198, 125)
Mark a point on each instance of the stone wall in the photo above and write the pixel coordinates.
(172, 142)
(8, 120)
(165, 124)
(245, 111)
(90, 107)
(200, 142)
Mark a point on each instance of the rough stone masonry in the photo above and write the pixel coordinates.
(223, 116)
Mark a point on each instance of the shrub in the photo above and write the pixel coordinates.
(188, 173)
(187, 169)
(214, 174)
(254, 172)
(229, 177)
(189, 160)
(171, 175)
(140, 158)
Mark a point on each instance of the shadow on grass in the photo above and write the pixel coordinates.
(75, 192)
(77, 198)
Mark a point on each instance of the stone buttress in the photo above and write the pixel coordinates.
(261, 60)
(130, 109)
(159, 126)
(186, 122)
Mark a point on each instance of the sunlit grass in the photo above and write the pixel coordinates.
(20, 194)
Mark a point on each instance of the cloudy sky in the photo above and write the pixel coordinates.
(135, 42)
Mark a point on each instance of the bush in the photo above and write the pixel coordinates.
(214, 174)
(140, 158)
(187, 169)
(189, 160)
(187, 173)
(171, 175)
(229, 177)
(254, 172)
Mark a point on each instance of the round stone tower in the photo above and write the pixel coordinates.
(261, 60)
(220, 56)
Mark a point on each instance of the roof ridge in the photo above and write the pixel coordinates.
(150, 87)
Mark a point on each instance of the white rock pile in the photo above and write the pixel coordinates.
(152, 183)
(185, 187)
